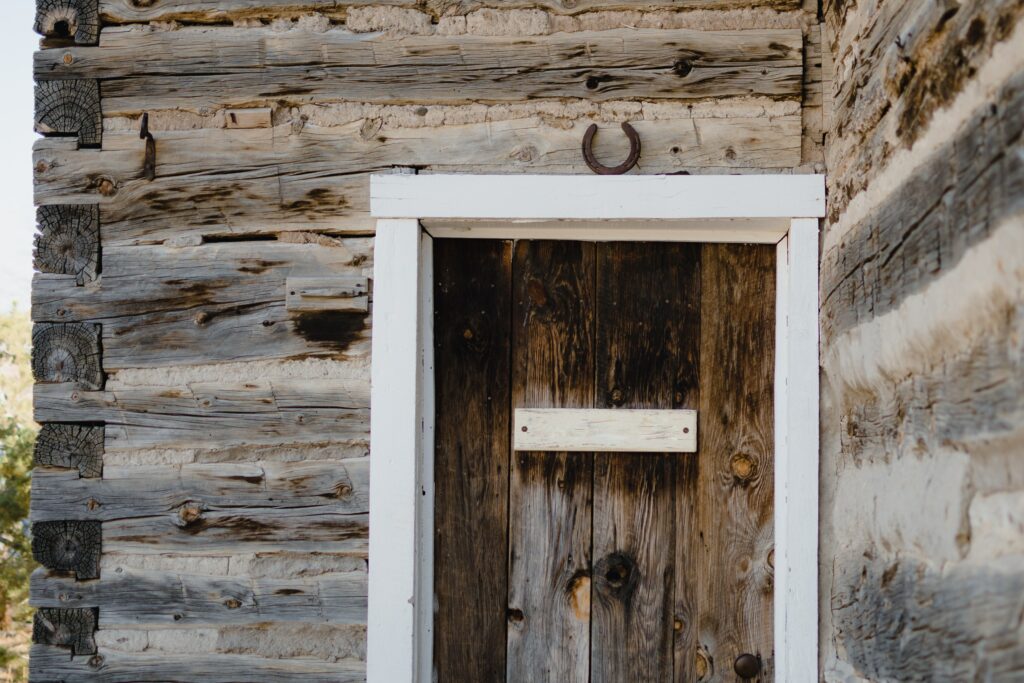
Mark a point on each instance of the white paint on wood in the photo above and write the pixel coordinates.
(596, 197)
(609, 430)
(401, 509)
(395, 447)
(742, 230)
(796, 455)
(320, 294)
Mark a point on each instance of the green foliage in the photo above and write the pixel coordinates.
(17, 438)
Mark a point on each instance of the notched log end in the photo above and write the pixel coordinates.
(68, 242)
(70, 628)
(69, 20)
(70, 107)
(67, 352)
(71, 446)
(69, 546)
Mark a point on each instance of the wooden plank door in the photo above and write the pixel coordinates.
(614, 566)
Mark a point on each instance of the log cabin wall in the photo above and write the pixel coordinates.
(202, 332)
(922, 294)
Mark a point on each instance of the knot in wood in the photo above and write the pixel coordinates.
(743, 467)
(190, 513)
(617, 397)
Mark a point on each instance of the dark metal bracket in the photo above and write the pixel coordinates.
(149, 165)
(599, 168)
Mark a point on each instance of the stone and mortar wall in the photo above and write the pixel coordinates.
(219, 438)
(922, 289)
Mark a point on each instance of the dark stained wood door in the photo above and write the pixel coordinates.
(607, 567)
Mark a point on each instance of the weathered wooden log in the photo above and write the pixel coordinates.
(260, 67)
(129, 597)
(68, 546)
(68, 242)
(231, 182)
(218, 11)
(926, 225)
(67, 352)
(907, 62)
(337, 486)
(70, 107)
(73, 446)
(48, 663)
(67, 628)
(194, 530)
(77, 20)
(903, 619)
(170, 306)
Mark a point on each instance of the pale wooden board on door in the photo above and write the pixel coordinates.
(617, 431)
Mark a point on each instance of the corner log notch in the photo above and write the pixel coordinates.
(71, 446)
(68, 242)
(69, 546)
(70, 107)
(70, 628)
(67, 352)
(74, 20)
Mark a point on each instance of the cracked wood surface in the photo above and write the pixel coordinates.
(139, 598)
(231, 182)
(166, 306)
(338, 486)
(196, 68)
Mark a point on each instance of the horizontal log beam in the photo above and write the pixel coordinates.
(194, 530)
(49, 663)
(124, 11)
(216, 415)
(197, 68)
(215, 182)
(128, 597)
(953, 201)
(164, 306)
(337, 486)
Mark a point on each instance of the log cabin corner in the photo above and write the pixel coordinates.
(528, 340)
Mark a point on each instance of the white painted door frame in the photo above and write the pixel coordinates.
(412, 210)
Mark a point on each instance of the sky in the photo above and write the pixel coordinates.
(17, 218)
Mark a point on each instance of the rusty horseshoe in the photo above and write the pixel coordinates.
(599, 168)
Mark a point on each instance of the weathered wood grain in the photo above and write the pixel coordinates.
(235, 182)
(68, 546)
(908, 61)
(67, 353)
(165, 306)
(736, 482)
(52, 664)
(950, 203)
(901, 618)
(73, 446)
(149, 491)
(68, 242)
(648, 314)
(68, 629)
(550, 514)
(135, 598)
(472, 292)
(595, 430)
(216, 415)
(196, 529)
(76, 20)
(259, 67)
(70, 107)
(219, 11)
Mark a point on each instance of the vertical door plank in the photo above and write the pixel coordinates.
(472, 306)
(550, 493)
(648, 324)
(736, 453)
